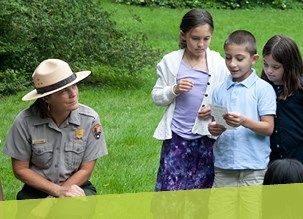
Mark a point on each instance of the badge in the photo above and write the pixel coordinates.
(97, 131)
(79, 133)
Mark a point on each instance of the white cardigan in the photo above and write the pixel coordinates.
(163, 95)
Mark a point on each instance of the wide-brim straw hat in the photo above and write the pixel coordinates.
(53, 75)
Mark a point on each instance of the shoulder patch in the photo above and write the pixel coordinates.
(97, 130)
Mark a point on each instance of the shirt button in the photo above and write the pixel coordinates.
(281, 156)
(278, 146)
(203, 105)
(276, 131)
(206, 95)
(56, 165)
(208, 83)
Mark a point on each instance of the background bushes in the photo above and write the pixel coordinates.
(83, 34)
(219, 4)
(77, 31)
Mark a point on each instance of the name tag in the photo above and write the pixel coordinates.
(39, 141)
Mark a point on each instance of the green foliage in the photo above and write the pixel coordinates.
(128, 115)
(12, 81)
(220, 4)
(282, 4)
(79, 32)
(170, 3)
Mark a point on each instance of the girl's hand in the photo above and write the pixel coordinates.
(215, 129)
(184, 85)
(205, 112)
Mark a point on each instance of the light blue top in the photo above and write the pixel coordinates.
(188, 103)
(241, 148)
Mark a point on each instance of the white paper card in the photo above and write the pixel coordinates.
(217, 112)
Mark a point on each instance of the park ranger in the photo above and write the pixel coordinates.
(54, 144)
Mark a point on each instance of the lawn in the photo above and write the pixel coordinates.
(127, 114)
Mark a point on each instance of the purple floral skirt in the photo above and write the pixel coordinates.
(186, 164)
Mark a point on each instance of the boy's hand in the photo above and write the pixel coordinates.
(234, 119)
(215, 129)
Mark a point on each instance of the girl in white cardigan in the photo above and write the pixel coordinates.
(186, 79)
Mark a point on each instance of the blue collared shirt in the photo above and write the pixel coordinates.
(241, 148)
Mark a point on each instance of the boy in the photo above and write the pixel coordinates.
(242, 152)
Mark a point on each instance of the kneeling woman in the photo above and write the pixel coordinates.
(54, 144)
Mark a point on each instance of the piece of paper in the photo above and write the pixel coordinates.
(217, 112)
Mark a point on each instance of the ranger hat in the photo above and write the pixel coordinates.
(53, 75)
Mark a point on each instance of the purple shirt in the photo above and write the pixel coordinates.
(188, 103)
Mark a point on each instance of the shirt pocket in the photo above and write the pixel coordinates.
(42, 155)
(74, 152)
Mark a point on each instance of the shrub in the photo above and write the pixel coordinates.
(222, 4)
(12, 81)
(79, 32)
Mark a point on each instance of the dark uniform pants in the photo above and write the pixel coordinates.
(28, 192)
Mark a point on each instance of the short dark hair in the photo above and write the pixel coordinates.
(242, 38)
(284, 171)
(194, 18)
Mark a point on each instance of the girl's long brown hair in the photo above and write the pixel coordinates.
(285, 51)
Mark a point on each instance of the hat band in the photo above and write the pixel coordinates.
(57, 85)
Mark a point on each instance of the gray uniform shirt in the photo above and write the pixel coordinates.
(56, 153)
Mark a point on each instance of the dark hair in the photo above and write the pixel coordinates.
(284, 171)
(285, 51)
(42, 107)
(242, 38)
(194, 18)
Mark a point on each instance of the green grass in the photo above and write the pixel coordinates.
(127, 113)
(162, 24)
